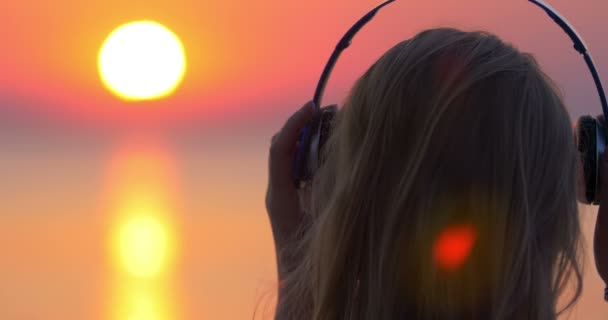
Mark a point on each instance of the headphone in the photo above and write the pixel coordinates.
(590, 132)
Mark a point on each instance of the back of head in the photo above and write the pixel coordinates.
(450, 136)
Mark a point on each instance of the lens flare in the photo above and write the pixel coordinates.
(453, 246)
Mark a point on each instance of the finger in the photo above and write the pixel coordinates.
(288, 135)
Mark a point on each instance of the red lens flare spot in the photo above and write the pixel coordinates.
(453, 246)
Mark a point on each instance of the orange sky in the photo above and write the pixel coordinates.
(52, 50)
(240, 52)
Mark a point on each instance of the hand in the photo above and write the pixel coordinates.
(282, 198)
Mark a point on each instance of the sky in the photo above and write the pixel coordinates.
(76, 161)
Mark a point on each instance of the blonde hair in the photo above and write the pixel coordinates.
(447, 128)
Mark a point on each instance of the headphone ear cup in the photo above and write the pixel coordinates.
(310, 144)
(586, 135)
(600, 148)
(327, 120)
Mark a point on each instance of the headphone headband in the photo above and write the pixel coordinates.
(579, 45)
(342, 45)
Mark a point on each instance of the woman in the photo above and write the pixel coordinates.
(447, 191)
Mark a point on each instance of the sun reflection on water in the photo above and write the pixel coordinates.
(143, 246)
(142, 238)
(143, 306)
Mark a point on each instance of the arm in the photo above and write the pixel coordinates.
(282, 198)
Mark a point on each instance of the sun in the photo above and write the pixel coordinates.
(142, 60)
